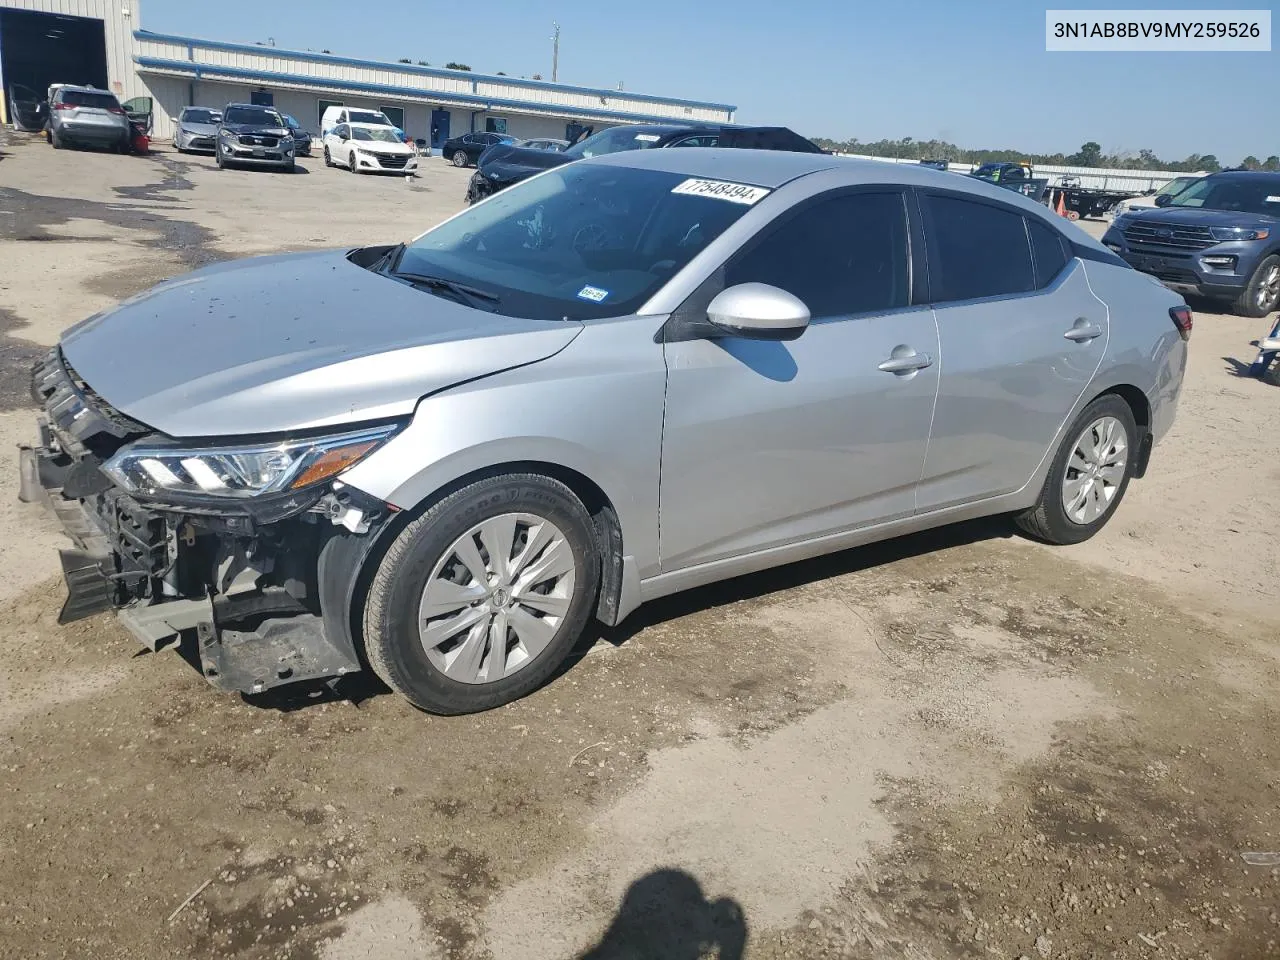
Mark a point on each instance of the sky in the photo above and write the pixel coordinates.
(974, 72)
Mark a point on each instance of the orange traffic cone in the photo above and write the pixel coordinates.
(1061, 208)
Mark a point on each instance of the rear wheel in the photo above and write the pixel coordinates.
(478, 601)
(1262, 293)
(460, 158)
(1089, 475)
(55, 140)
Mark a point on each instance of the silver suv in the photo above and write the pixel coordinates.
(88, 116)
(619, 379)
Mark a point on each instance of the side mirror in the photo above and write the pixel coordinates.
(343, 136)
(758, 311)
(1163, 199)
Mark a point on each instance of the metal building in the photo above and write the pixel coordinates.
(101, 42)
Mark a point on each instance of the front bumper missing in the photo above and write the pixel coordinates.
(276, 651)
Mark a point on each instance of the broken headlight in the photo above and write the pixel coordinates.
(151, 469)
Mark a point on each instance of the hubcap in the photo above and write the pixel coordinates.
(1095, 470)
(1269, 288)
(496, 598)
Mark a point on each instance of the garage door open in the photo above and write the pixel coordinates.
(37, 49)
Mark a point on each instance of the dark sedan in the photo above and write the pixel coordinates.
(504, 165)
(301, 138)
(465, 150)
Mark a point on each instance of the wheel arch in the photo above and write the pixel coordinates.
(1140, 405)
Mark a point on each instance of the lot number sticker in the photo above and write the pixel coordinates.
(723, 190)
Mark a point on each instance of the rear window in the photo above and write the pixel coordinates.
(79, 98)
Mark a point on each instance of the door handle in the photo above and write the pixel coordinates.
(1083, 331)
(905, 360)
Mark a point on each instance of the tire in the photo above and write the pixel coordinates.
(217, 159)
(292, 167)
(425, 552)
(328, 160)
(1049, 519)
(1262, 293)
(56, 141)
(460, 158)
(351, 162)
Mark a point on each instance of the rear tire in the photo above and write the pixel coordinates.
(442, 664)
(1261, 294)
(56, 141)
(460, 158)
(1090, 472)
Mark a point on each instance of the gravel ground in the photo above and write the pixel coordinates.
(959, 744)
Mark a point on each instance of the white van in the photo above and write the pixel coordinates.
(336, 115)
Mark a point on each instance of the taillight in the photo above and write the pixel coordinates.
(64, 106)
(116, 110)
(1182, 319)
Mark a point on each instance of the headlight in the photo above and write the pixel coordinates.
(240, 472)
(1238, 233)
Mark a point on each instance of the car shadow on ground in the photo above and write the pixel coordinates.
(664, 915)
(358, 688)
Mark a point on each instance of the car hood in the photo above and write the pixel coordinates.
(1200, 217)
(281, 343)
(504, 162)
(255, 129)
(382, 146)
(201, 129)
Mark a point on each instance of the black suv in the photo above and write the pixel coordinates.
(1219, 238)
(255, 136)
(503, 165)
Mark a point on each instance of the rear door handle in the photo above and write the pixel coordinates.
(1083, 331)
(905, 360)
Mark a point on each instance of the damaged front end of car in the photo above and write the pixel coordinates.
(252, 547)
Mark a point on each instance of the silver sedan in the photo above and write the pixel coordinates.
(619, 379)
(196, 129)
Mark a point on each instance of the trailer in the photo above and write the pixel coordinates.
(1077, 201)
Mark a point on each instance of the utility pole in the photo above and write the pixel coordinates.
(555, 52)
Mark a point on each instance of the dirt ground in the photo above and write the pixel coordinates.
(956, 745)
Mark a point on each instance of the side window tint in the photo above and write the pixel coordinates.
(847, 254)
(975, 250)
(1049, 250)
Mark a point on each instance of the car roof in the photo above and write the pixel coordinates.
(256, 106)
(1267, 175)
(75, 88)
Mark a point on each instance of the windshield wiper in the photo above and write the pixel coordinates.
(461, 290)
(389, 260)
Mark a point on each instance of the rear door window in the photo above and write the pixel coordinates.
(841, 255)
(976, 249)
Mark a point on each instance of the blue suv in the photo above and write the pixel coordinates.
(1219, 238)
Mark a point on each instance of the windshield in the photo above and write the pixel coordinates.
(252, 116)
(381, 134)
(291, 123)
(613, 140)
(199, 116)
(1177, 185)
(987, 170)
(1241, 194)
(368, 116)
(579, 242)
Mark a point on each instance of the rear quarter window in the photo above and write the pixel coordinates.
(1048, 250)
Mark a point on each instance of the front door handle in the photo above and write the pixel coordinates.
(905, 360)
(1083, 331)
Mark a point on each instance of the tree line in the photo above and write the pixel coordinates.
(1089, 155)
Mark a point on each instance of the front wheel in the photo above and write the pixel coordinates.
(460, 158)
(479, 600)
(1088, 476)
(1262, 293)
(328, 160)
(351, 162)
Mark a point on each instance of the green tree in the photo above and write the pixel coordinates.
(1209, 163)
(404, 60)
(451, 65)
(1271, 163)
(423, 63)
(1090, 155)
(1251, 163)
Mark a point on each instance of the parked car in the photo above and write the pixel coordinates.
(253, 135)
(197, 129)
(87, 116)
(369, 148)
(543, 144)
(29, 111)
(1152, 200)
(451, 495)
(504, 165)
(333, 116)
(465, 150)
(1218, 238)
(301, 138)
